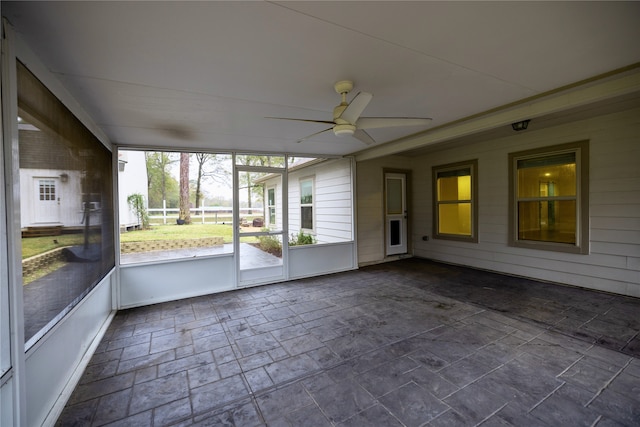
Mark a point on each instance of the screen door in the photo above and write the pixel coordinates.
(395, 213)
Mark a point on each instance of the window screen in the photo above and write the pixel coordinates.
(65, 205)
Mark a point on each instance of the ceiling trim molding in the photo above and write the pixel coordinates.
(621, 82)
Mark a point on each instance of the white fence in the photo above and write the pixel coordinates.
(205, 215)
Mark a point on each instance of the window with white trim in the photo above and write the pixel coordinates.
(271, 205)
(306, 203)
(549, 207)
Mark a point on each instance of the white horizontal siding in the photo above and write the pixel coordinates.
(613, 262)
(333, 206)
(338, 210)
(630, 210)
(619, 236)
(603, 185)
(615, 223)
(610, 279)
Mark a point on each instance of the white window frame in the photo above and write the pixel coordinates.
(581, 245)
(269, 206)
(311, 205)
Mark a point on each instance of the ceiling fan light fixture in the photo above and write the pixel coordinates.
(346, 129)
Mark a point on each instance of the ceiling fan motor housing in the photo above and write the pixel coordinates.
(343, 86)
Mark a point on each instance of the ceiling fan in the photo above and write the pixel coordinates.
(347, 120)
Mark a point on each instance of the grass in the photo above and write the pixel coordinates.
(32, 246)
(173, 231)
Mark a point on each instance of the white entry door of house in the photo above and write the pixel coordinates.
(260, 231)
(47, 200)
(395, 213)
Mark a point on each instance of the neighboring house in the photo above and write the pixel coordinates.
(320, 200)
(53, 188)
(132, 179)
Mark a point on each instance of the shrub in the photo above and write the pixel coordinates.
(301, 239)
(270, 244)
(137, 204)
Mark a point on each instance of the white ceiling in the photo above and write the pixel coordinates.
(206, 74)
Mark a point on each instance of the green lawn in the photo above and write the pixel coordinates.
(32, 246)
(173, 231)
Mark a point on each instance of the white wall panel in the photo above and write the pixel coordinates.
(6, 403)
(143, 284)
(61, 355)
(311, 260)
(256, 276)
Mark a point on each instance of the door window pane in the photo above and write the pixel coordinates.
(260, 160)
(47, 189)
(251, 198)
(394, 196)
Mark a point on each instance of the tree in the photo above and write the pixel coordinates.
(185, 208)
(212, 167)
(162, 186)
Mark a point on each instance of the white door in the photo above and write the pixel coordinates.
(260, 242)
(395, 213)
(47, 203)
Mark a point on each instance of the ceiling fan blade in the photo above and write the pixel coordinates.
(356, 107)
(314, 134)
(387, 122)
(302, 120)
(363, 136)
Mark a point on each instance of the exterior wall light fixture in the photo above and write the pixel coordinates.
(518, 126)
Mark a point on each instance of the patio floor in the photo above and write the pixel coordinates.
(50, 296)
(406, 343)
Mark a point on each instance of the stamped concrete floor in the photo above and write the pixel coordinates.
(407, 343)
